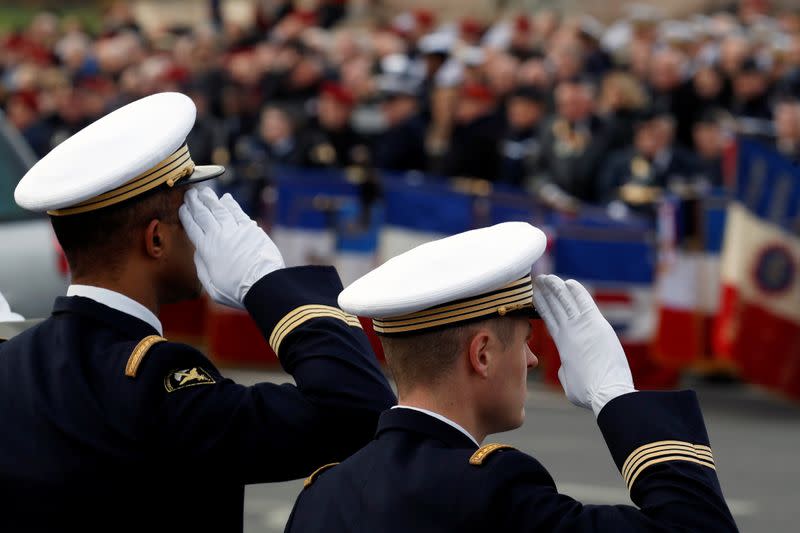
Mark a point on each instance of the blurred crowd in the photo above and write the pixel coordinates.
(565, 108)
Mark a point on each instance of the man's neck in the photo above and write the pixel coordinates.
(145, 297)
(448, 405)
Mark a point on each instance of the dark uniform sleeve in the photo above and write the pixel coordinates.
(659, 443)
(270, 432)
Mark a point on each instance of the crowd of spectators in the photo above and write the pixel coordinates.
(563, 107)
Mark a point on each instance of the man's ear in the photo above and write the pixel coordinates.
(154, 239)
(479, 356)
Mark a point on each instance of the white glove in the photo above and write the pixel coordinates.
(6, 314)
(594, 369)
(231, 251)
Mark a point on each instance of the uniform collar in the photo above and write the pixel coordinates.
(118, 301)
(112, 318)
(420, 422)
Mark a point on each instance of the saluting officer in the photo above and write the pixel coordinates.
(454, 316)
(107, 425)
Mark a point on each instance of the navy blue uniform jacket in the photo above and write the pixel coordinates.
(86, 447)
(422, 475)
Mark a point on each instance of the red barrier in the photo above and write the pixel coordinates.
(185, 321)
(235, 340)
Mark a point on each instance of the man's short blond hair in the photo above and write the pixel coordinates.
(425, 358)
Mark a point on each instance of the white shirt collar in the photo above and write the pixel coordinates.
(440, 417)
(117, 301)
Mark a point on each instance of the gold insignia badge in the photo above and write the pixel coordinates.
(325, 154)
(180, 379)
(640, 167)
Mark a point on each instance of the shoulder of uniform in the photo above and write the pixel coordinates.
(139, 352)
(310, 479)
(483, 453)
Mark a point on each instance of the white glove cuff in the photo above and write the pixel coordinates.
(607, 394)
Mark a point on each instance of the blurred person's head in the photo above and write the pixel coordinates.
(476, 100)
(750, 82)
(522, 32)
(787, 119)
(645, 140)
(568, 62)
(344, 47)
(386, 43)
(356, 75)
(307, 73)
(667, 70)
(751, 10)
(733, 50)
(534, 72)
(95, 94)
(664, 129)
(44, 28)
(547, 22)
(589, 32)
(399, 100)
(335, 106)
(501, 71)
(22, 110)
(526, 108)
(70, 107)
(275, 126)
(640, 53)
(242, 68)
(575, 100)
(621, 91)
(708, 136)
(708, 82)
(435, 49)
(73, 51)
(470, 30)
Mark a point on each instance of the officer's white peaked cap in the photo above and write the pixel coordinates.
(470, 276)
(126, 153)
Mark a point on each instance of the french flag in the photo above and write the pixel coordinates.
(759, 321)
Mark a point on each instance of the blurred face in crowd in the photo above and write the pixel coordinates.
(666, 70)
(275, 126)
(20, 113)
(621, 91)
(749, 85)
(469, 109)
(547, 22)
(523, 113)
(709, 140)
(640, 55)
(574, 101)
(733, 52)
(707, 82)
(567, 62)
(787, 120)
(646, 140)
(307, 73)
(333, 115)
(534, 72)
(664, 130)
(500, 71)
(355, 75)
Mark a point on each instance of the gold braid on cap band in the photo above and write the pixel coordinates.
(175, 167)
(515, 296)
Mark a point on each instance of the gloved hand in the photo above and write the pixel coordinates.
(231, 251)
(594, 369)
